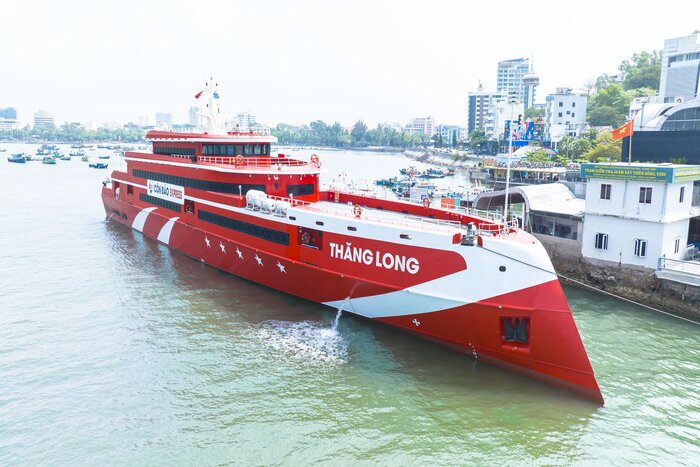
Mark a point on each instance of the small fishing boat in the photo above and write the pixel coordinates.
(48, 160)
(19, 158)
(98, 165)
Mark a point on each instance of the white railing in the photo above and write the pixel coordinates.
(675, 265)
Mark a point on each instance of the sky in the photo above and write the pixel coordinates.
(300, 61)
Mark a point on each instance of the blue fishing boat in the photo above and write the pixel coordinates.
(18, 158)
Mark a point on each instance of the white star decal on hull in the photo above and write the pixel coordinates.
(239, 252)
(223, 248)
(281, 266)
(206, 240)
(258, 259)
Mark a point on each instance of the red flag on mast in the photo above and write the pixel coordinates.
(196, 96)
(625, 130)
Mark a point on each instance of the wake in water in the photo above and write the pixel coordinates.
(307, 340)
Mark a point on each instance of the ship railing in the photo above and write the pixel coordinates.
(498, 228)
(248, 161)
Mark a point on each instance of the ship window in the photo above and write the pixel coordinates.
(352, 229)
(300, 190)
(239, 149)
(130, 189)
(189, 206)
(230, 150)
(310, 238)
(258, 149)
(178, 151)
(247, 228)
(249, 149)
(159, 202)
(515, 330)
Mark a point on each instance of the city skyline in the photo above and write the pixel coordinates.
(295, 63)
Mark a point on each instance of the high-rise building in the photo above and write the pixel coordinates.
(423, 125)
(164, 120)
(448, 133)
(480, 110)
(510, 78)
(564, 114)
(244, 121)
(680, 69)
(8, 119)
(9, 113)
(194, 119)
(43, 119)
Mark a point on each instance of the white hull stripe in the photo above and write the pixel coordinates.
(140, 219)
(164, 235)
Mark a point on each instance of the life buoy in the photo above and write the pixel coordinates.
(357, 210)
(239, 160)
(426, 202)
(314, 159)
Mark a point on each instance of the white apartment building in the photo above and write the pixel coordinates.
(637, 213)
(425, 125)
(510, 76)
(480, 109)
(564, 114)
(43, 119)
(680, 69)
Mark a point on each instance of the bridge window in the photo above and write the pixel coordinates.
(300, 190)
(178, 151)
(254, 149)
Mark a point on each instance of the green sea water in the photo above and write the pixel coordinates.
(115, 350)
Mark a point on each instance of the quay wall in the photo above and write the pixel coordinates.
(634, 283)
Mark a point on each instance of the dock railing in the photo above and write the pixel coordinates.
(675, 265)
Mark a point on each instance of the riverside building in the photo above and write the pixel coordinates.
(564, 115)
(638, 214)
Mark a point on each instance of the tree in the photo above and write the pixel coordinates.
(643, 71)
(533, 113)
(605, 150)
(609, 106)
(358, 133)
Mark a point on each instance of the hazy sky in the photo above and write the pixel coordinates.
(297, 61)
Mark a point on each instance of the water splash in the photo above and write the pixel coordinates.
(309, 341)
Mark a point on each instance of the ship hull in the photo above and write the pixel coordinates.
(427, 309)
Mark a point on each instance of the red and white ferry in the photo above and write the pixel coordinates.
(478, 286)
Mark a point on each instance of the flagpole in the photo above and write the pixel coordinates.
(629, 148)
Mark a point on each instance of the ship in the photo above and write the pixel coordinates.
(482, 287)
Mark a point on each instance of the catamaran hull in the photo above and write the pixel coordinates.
(553, 354)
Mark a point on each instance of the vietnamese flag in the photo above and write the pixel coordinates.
(625, 130)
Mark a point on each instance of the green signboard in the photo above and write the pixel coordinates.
(642, 172)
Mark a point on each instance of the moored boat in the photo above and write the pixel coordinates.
(48, 160)
(18, 158)
(475, 285)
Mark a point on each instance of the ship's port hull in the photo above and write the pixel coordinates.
(530, 330)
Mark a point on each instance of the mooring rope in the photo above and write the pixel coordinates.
(595, 288)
